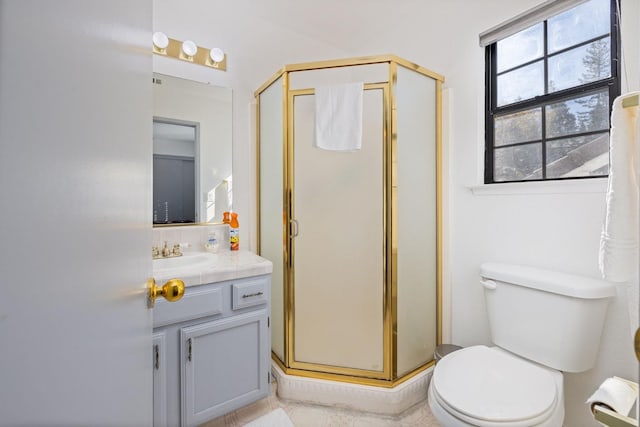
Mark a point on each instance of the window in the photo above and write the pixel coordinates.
(549, 92)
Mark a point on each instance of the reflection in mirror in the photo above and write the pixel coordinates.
(174, 171)
(191, 151)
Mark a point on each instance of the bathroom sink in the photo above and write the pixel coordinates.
(187, 260)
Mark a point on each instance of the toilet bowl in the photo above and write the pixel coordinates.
(487, 386)
(542, 323)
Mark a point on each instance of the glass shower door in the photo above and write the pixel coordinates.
(338, 270)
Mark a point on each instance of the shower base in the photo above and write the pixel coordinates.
(378, 400)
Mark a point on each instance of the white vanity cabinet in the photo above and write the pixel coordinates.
(211, 351)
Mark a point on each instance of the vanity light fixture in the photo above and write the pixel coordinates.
(189, 51)
(216, 54)
(189, 48)
(160, 41)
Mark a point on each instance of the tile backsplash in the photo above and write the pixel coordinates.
(193, 235)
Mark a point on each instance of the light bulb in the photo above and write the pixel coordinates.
(160, 40)
(216, 54)
(189, 48)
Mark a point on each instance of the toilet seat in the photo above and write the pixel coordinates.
(487, 387)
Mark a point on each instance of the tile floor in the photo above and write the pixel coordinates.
(304, 415)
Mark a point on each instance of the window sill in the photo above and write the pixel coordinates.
(594, 185)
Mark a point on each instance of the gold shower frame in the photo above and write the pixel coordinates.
(386, 377)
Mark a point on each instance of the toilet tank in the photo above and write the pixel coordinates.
(552, 318)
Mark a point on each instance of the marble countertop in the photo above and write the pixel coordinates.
(227, 265)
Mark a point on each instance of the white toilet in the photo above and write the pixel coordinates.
(542, 323)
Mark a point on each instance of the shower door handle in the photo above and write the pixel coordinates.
(295, 227)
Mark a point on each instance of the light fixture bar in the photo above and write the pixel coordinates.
(201, 57)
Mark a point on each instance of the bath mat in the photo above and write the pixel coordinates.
(277, 418)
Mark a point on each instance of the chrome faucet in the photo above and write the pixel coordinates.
(165, 252)
(176, 250)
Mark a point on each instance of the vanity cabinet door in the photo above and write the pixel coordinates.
(225, 365)
(159, 364)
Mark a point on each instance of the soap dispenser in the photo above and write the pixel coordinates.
(212, 244)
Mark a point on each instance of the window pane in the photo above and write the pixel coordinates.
(550, 106)
(518, 163)
(522, 126)
(579, 156)
(585, 114)
(582, 65)
(579, 24)
(521, 47)
(561, 118)
(523, 83)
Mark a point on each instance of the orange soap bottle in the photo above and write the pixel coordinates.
(225, 218)
(234, 232)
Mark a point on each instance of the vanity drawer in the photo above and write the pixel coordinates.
(250, 293)
(194, 304)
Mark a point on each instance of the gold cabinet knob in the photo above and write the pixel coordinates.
(171, 291)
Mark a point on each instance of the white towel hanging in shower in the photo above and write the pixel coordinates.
(338, 118)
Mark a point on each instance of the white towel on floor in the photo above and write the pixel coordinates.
(618, 257)
(339, 117)
(276, 418)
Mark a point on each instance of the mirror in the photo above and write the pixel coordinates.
(192, 125)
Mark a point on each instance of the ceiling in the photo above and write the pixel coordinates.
(345, 24)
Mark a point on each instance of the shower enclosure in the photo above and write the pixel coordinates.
(355, 237)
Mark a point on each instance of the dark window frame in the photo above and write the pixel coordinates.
(491, 95)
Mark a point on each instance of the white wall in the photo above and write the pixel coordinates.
(558, 230)
(553, 230)
(256, 49)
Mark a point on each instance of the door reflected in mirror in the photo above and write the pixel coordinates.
(192, 180)
(174, 171)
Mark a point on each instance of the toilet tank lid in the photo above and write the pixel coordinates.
(571, 285)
